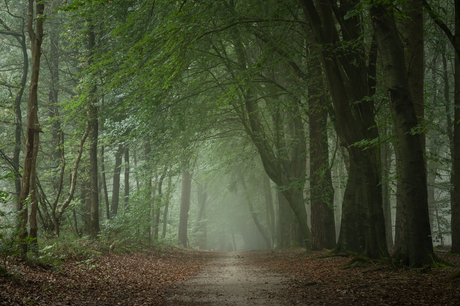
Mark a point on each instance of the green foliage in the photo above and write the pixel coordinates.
(68, 247)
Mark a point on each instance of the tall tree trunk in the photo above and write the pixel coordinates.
(104, 184)
(455, 205)
(86, 202)
(136, 173)
(284, 222)
(200, 228)
(158, 205)
(417, 248)
(184, 207)
(33, 226)
(126, 198)
(321, 191)
(18, 124)
(104, 177)
(33, 126)
(432, 166)
(399, 218)
(93, 138)
(412, 33)
(116, 181)
(351, 235)
(165, 212)
(269, 208)
(351, 86)
(386, 163)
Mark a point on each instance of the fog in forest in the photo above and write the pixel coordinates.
(230, 126)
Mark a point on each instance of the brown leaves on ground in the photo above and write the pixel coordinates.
(317, 279)
(148, 278)
(141, 278)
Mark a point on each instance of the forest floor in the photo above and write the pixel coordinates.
(185, 277)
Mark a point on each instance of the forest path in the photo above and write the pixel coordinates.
(232, 279)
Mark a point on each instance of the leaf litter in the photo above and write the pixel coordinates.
(154, 276)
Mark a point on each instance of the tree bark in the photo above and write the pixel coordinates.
(417, 247)
(200, 229)
(33, 226)
(33, 126)
(104, 184)
(386, 164)
(284, 221)
(184, 207)
(116, 182)
(412, 33)
(165, 212)
(269, 208)
(321, 191)
(351, 86)
(93, 138)
(126, 198)
(455, 206)
(158, 206)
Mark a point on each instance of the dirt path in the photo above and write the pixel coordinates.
(231, 279)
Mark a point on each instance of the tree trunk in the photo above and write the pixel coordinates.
(351, 235)
(417, 248)
(165, 212)
(33, 126)
(269, 208)
(126, 198)
(455, 206)
(33, 226)
(184, 207)
(86, 202)
(412, 33)
(158, 206)
(321, 191)
(18, 124)
(350, 83)
(432, 166)
(116, 182)
(284, 222)
(386, 163)
(136, 173)
(399, 222)
(104, 177)
(93, 137)
(104, 184)
(200, 228)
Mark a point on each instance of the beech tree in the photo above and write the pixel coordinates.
(28, 187)
(417, 247)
